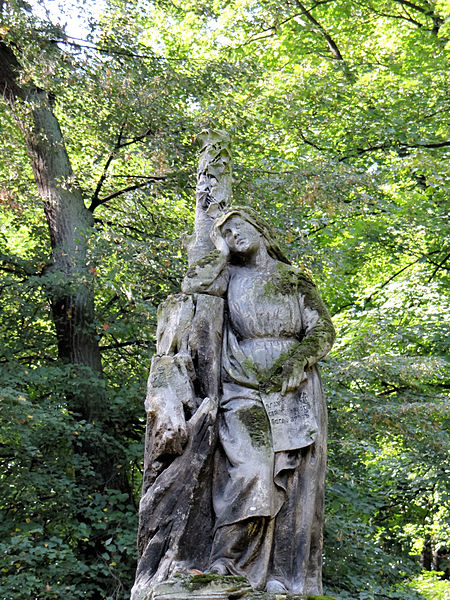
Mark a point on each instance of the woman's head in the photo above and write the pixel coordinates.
(240, 218)
(241, 236)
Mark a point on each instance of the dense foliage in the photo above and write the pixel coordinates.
(339, 111)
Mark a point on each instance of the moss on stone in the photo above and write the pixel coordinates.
(231, 583)
(212, 258)
(202, 579)
(159, 374)
(287, 280)
(272, 379)
(257, 424)
(209, 258)
(183, 585)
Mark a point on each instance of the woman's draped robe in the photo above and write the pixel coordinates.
(268, 489)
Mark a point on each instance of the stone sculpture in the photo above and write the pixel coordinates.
(236, 434)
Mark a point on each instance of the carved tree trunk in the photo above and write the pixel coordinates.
(176, 515)
(69, 223)
(213, 190)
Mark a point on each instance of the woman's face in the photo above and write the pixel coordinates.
(240, 236)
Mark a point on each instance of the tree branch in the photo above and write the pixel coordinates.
(277, 24)
(118, 146)
(369, 298)
(393, 145)
(118, 193)
(122, 53)
(391, 278)
(421, 9)
(352, 216)
(313, 144)
(331, 43)
(407, 18)
(333, 47)
(105, 169)
(430, 145)
(130, 188)
(437, 20)
(109, 51)
(439, 266)
(140, 343)
(125, 176)
(138, 138)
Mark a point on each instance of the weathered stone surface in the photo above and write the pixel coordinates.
(203, 586)
(176, 519)
(236, 418)
(175, 317)
(205, 342)
(175, 516)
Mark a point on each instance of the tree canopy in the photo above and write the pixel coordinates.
(339, 112)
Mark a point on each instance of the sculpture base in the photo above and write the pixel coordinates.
(208, 586)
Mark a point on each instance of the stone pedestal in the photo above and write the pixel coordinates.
(207, 586)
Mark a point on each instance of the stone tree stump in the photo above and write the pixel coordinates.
(175, 514)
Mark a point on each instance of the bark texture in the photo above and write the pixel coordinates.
(69, 280)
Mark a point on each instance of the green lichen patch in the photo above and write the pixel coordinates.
(272, 379)
(205, 578)
(318, 339)
(228, 587)
(210, 259)
(256, 423)
(183, 585)
(159, 374)
(287, 280)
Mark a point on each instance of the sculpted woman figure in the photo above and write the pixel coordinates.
(268, 488)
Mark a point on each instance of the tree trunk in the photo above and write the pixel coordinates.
(426, 556)
(68, 280)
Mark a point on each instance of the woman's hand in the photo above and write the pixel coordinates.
(293, 379)
(219, 242)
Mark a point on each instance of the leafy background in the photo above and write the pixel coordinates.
(339, 116)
